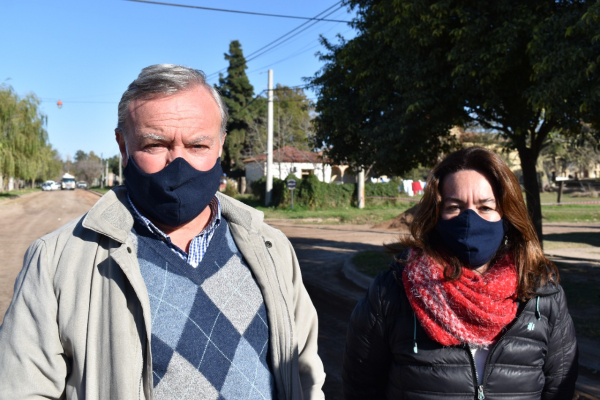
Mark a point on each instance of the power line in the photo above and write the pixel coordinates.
(236, 11)
(274, 43)
(250, 58)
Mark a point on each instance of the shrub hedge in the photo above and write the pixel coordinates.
(314, 194)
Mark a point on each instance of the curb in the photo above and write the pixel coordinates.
(592, 261)
(358, 278)
(96, 193)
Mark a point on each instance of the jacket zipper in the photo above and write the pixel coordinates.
(480, 394)
(288, 382)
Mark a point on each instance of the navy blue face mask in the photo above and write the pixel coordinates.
(174, 195)
(471, 238)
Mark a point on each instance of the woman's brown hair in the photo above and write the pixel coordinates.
(533, 268)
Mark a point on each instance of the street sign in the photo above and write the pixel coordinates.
(291, 185)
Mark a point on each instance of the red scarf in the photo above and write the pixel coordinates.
(473, 309)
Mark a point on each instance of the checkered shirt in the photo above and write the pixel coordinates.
(199, 243)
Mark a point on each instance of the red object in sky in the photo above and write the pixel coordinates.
(59, 104)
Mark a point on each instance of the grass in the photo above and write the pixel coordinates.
(13, 194)
(570, 212)
(371, 214)
(101, 190)
(379, 211)
(371, 263)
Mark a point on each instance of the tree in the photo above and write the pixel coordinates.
(291, 122)
(237, 93)
(579, 153)
(88, 167)
(522, 70)
(23, 136)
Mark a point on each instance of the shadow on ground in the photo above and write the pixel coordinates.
(592, 239)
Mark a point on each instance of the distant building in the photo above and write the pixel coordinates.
(289, 160)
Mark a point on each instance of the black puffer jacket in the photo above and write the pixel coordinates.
(535, 359)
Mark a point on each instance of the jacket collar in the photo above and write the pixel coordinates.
(111, 215)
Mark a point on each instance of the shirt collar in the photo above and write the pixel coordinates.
(215, 219)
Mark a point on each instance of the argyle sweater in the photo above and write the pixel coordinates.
(210, 333)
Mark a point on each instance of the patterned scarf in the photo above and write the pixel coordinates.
(473, 309)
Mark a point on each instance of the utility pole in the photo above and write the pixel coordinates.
(361, 188)
(269, 183)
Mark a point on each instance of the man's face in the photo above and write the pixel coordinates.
(160, 129)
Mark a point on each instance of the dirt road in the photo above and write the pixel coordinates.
(27, 218)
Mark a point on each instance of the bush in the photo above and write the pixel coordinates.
(389, 189)
(231, 189)
(278, 194)
(315, 194)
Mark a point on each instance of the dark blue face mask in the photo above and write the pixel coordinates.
(471, 238)
(174, 195)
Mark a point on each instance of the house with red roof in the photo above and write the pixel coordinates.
(289, 160)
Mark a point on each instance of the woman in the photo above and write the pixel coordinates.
(473, 309)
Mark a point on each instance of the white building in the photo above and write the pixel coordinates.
(288, 160)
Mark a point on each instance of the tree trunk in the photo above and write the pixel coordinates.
(532, 188)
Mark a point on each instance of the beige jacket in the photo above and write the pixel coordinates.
(78, 326)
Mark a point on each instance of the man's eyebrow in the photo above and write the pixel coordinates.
(200, 139)
(154, 136)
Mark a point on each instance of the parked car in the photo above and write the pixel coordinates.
(82, 185)
(50, 185)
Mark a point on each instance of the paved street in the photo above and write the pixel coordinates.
(321, 249)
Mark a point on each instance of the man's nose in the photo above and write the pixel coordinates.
(174, 153)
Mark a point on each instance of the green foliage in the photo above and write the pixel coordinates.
(24, 149)
(315, 194)
(389, 97)
(389, 189)
(231, 189)
(237, 93)
(291, 122)
(277, 192)
(310, 193)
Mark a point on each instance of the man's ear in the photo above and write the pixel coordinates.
(120, 137)
(222, 143)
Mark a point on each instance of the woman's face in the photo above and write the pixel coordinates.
(468, 189)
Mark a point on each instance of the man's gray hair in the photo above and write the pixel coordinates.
(167, 79)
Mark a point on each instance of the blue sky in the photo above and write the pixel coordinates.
(85, 53)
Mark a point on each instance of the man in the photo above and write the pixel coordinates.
(164, 289)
